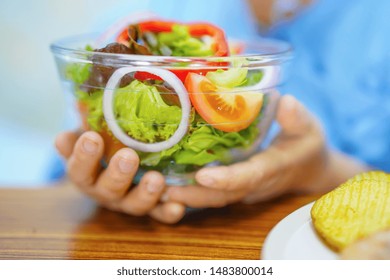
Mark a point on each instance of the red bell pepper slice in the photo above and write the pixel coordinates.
(198, 29)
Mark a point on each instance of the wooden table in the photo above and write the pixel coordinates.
(58, 222)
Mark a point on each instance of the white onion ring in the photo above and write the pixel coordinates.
(108, 109)
(270, 78)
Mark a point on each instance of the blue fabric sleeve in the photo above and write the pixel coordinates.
(341, 72)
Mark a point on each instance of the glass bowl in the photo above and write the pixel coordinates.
(178, 113)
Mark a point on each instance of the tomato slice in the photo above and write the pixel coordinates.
(226, 110)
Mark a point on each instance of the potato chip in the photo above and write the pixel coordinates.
(353, 210)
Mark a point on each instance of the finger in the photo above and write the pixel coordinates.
(292, 116)
(201, 197)
(168, 213)
(84, 163)
(65, 142)
(116, 179)
(269, 190)
(267, 195)
(238, 176)
(140, 200)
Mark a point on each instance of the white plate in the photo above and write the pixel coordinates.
(294, 238)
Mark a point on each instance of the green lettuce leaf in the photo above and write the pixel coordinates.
(254, 77)
(77, 72)
(94, 102)
(143, 114)
(203, 144)
(181, 43)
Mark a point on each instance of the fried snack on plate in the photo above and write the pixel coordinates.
(373, 247)
(354, 210)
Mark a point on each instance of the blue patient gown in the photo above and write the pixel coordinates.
(341, 72)
(341, 68)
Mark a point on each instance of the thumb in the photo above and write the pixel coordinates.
(293, 117)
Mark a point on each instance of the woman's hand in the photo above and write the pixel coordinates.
(111, 186)
(297, 161)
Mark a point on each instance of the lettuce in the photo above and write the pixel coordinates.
(206, 145)
(180, 42)
(253, 78)
(143, 114)
(77, 72)
(94, 103)
(203, 144)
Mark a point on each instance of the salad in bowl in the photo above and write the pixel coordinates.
(179, 94)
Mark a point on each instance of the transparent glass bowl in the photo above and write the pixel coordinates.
(198, 111)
